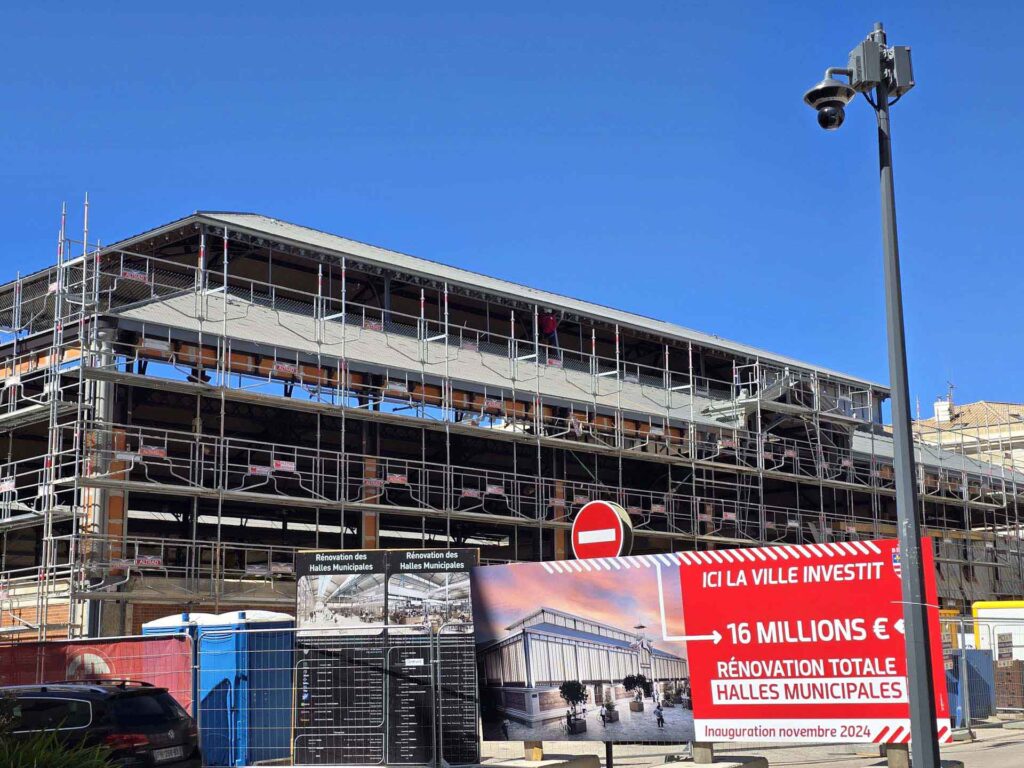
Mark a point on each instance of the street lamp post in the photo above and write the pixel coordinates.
(874, 66)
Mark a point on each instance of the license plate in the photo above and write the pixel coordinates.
(171, 753)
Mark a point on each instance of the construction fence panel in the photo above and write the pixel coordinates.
(984, 663)
(164, 662)
(337, 696)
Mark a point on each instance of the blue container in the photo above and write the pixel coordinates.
(243, 683)
(980, 684)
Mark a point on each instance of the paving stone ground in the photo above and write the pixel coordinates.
(994, 748)
(632, 726)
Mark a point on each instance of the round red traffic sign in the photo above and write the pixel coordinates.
(601, 529)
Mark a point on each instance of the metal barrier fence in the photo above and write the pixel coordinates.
(983, 658)
(369, 694)
(165, 661)
(359, 694)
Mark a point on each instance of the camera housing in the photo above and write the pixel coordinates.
(829, 97)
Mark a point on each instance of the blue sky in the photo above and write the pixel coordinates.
(651, 156)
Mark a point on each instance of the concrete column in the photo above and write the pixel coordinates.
(703, 752)
(370, 524)
(562, 548)
(897, 755)
(533, 750)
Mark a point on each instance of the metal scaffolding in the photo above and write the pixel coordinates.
(182, 414)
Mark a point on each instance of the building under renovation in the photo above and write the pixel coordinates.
(185, 409)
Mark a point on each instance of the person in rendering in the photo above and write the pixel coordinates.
(604, 716)
(660, 715)
(568, 721)
(504, 727)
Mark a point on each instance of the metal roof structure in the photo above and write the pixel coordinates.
(284, 232)
(590, 637)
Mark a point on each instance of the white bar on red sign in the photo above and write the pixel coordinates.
(821, 690)
(153, 451)
(149, 561)
(597, 536)
(289, 368)
(397, 479)
(372, 482)
(281, 465)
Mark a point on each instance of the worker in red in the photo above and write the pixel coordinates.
(548, 326)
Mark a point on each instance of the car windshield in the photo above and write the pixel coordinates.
(139, 709)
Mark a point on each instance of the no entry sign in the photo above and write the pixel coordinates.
(601, 529)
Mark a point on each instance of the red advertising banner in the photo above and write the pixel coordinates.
(165, 662)
(812, 645)
(781, 643)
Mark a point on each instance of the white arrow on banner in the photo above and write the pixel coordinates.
(715, 635)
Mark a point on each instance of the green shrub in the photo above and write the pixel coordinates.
(574, 693)
(43, 750)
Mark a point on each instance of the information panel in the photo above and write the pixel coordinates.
(384, 646)
(783, 643)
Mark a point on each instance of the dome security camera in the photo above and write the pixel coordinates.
(829, 97)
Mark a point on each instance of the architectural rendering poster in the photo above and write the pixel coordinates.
(784, 643)
(384, 658)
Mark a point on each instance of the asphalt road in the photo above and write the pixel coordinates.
(994, 748)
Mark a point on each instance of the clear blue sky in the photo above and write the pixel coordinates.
(651, 156)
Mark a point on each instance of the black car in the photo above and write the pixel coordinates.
(143, 726)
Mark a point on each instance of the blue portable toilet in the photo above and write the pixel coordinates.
(980, 686)
(183, 624)
(243, 683)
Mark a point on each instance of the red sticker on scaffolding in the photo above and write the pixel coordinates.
(138, 275)
(394, 478)
(153, 451)
(281, 465)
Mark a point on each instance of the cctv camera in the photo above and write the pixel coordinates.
(829, 97)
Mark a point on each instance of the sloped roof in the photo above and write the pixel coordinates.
(576, 634)
(286, 232)
(983, 413)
